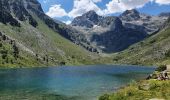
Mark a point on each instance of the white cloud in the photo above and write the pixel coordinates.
(163, 2)
(67, 22)
(56, 11)
(82, 6)
(114, 7)
(96, 1)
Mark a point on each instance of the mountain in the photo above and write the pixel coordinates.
(130, 15)
(154, 50)
(107, 34)
(37, 39)
(164, 14)
(142, 22)
(88, 20)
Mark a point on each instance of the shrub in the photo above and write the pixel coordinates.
(16, 51)
(62, 63)
(104, 97)
(152, 41)
(161, 68)
(4, 54)
(167, 54)
(4, 37)
(1, 45)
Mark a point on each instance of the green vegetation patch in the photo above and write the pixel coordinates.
(143, 90)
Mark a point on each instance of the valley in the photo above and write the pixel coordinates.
(89, 39)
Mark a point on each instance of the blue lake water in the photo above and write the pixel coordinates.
(67, 83)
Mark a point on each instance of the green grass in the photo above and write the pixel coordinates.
(143, 90)
(9, 61)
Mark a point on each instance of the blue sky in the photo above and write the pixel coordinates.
(66, 10)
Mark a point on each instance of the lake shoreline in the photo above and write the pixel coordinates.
(143, 85)
(71, 81)
(28, 67)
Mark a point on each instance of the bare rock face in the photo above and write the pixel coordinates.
(15, 10)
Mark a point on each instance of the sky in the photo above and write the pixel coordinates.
(67, 10)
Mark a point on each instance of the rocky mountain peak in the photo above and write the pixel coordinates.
(88, 19)
(164, 14)
(90, 13)
(130, 15)
(92, 16)
(130, 12)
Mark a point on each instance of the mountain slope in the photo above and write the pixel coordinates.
(39, 37)
(10, 54)
(153, 50)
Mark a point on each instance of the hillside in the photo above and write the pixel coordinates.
(11, 55)
(154, 50)
(39, 38)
